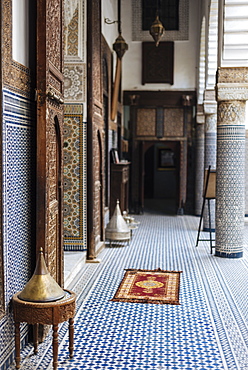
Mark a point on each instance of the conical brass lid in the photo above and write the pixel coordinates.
(117, 228)
(41, 287)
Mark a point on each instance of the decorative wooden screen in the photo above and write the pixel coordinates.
(157, 62)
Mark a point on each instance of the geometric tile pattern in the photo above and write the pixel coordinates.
(146, 120)
(18, 185)
(246, 173)
(74, 182)
(199, 168)
(173, 122)
(210, 149)
(75, 31)
(72, 34)
(230, 190)
(207, 331)
(75, 68)
(210, 160)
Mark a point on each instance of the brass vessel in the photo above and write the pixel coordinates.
(41, 287)
(120, 46)
(117, 228)
(157, 30)
(131, 222)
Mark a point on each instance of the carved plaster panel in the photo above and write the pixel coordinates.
(232, 75)
(232, 91)
(70, 7)
(74, 31)
(72, 35)
(231, 113)
(211, 122)
(232, 83)
(75, 82)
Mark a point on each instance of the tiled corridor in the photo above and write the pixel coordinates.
(208, 330)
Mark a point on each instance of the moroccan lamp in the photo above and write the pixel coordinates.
(41, 287)
(157, 30)
(120, 46)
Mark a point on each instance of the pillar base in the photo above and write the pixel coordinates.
(95, 260)
(228, 255)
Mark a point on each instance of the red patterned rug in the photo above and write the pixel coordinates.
(149, 286)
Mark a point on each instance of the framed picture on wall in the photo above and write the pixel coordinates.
(165, 158)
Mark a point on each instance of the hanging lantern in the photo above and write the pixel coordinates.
(120, 46)
(157, 30)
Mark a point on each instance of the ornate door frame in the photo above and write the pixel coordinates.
(49, 225)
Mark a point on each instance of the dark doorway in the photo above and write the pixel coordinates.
(161, 179)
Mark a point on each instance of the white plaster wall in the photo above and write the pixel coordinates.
(109, 31)
(20, 29)
(185, 54)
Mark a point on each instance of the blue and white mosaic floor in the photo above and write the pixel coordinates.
(207, 331)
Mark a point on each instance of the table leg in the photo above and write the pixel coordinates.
(17, 345)
(55, 346)
(35, 334)
(71, 336)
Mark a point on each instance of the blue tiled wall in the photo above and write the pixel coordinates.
(18, 208)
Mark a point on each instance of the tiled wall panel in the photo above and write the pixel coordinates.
(18, 207)
(74, 179)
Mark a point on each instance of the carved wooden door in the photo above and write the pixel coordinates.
(49, 134)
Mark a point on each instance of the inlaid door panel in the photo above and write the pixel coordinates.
(49, 131)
